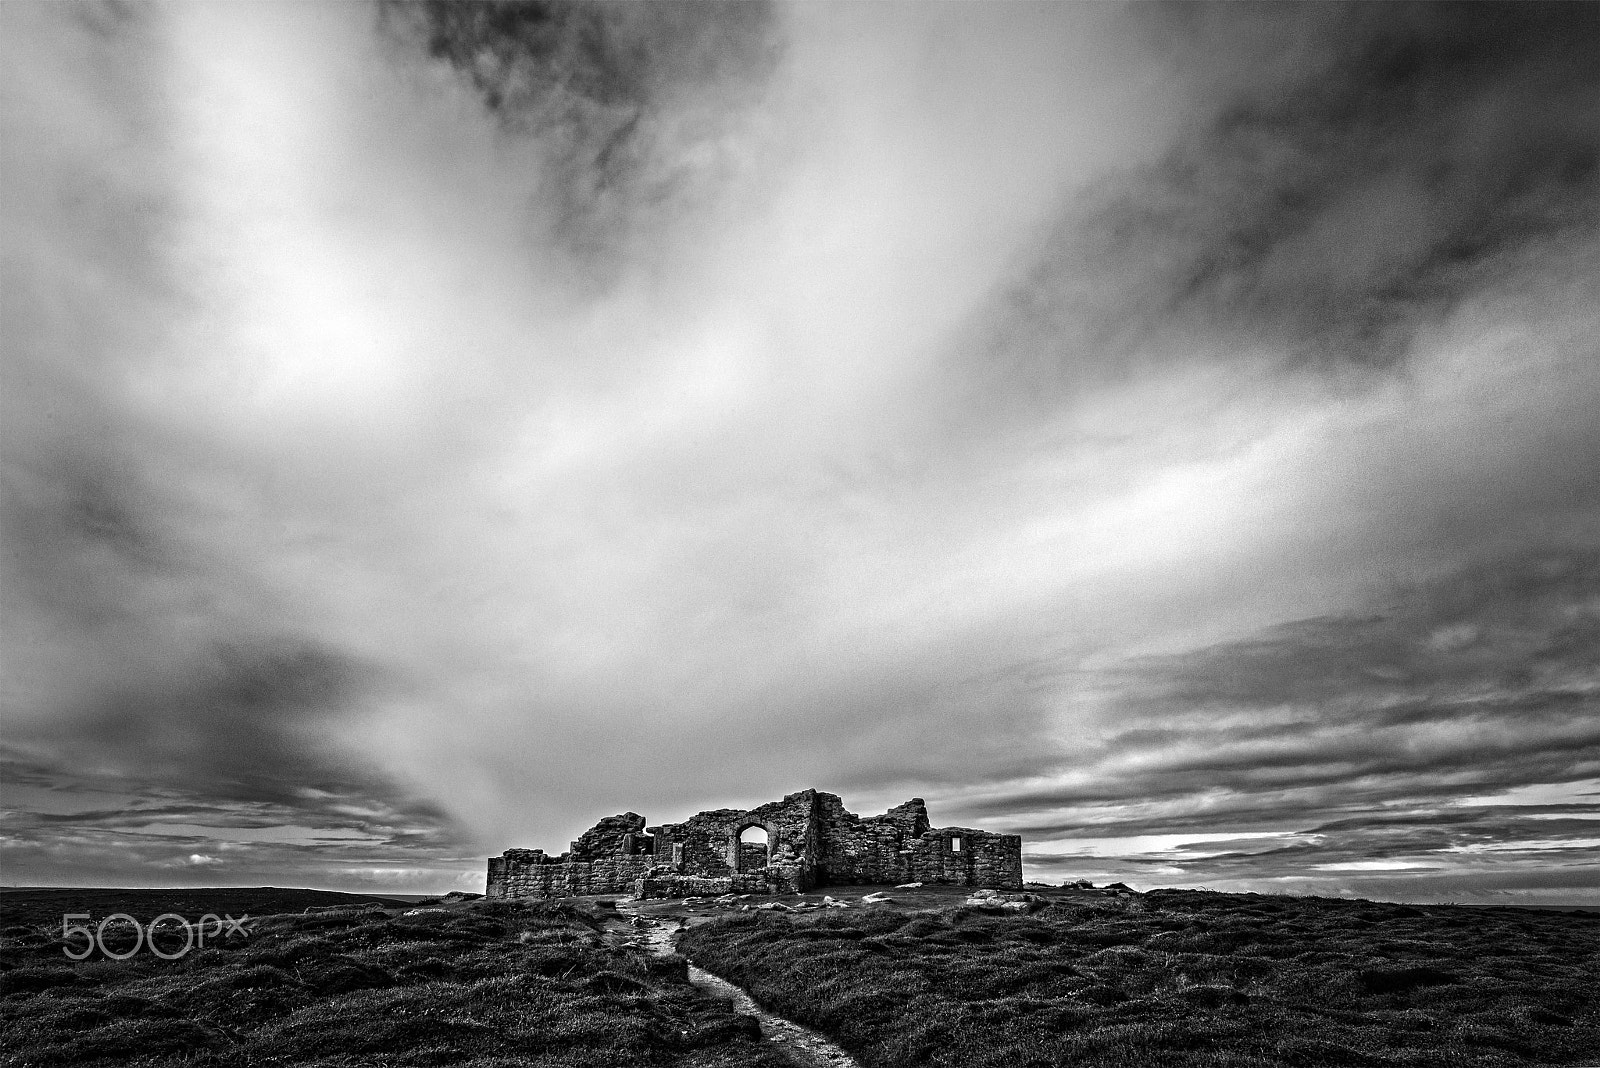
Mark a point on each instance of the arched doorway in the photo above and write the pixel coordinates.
(754, 847)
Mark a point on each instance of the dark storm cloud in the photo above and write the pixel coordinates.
(76, 530)
(24, 769)
(155, 670)
(1523, 631)
(165, 668)
(239, 736)
(236, 718)
(635, 105)
(165, 673)
(1350, 173)
(158, 826)
(1478, 681)
(326, 815)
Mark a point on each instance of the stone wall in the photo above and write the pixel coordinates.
(983, 859)
(901, 847)
(708, 844)
(752, 856)
(522, 876)
(665, 884)
(812, 840)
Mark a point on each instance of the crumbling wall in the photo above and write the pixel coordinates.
(901, 847)
(664, 884)
(699, 844)
(856, 850)
(608, 858)
(982, 859)
(812, 840)
(529, 873)
(613, 836)
(707, 844)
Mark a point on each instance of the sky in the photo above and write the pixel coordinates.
(1166, 432)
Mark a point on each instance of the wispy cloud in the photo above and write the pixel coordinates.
(1351, 744)
(68, 825)
(643, 117)
(1347, 177)
(430, 427)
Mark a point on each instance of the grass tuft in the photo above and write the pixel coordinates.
(493, 984)
(1187, 979)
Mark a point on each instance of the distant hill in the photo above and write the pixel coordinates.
(1541, 908)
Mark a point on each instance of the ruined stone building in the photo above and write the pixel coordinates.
(804, 841)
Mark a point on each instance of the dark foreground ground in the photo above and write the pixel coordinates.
(1079, 978)
(1180, 978)
(486, 983)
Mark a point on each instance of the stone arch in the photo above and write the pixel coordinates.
(748, 851)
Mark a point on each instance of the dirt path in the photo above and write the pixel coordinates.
(805, 1047)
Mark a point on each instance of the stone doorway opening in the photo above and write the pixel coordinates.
(754, 848)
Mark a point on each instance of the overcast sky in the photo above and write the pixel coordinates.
(1168, 433)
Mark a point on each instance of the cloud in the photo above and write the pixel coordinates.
(1347, 177)
(76, 820)
(1359, 743)
(425, 422)
(1373, 704)
(643, 114)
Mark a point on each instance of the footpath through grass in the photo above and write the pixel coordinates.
(1177, 978)
(488, 984)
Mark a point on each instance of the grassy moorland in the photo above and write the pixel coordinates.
(485, 984)
(1176, 978)
(35, 906)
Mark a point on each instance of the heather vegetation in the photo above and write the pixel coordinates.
(487, 984)
(44, 906)
(1177, 978)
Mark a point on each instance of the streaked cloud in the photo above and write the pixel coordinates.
(1164, 432)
